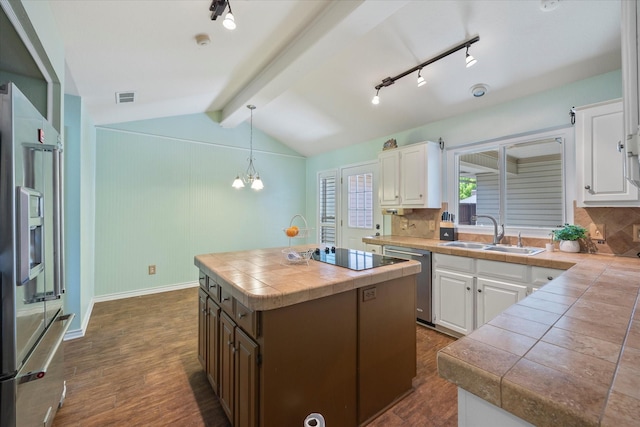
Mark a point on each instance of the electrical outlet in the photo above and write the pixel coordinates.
(432, 225)
(369, 294)
(636, 232)
(596, 231)
(152, 269)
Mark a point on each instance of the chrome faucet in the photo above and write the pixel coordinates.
(496, 236)
(519, 239)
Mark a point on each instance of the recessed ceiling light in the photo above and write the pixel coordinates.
(479, 90)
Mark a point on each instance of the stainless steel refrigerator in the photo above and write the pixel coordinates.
(31, 265)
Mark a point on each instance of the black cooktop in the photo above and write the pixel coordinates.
(353, 259)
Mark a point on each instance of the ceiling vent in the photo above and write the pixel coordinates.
(125, 97)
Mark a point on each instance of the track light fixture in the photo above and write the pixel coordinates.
(421, 80)
(388, 81)
(470, 60)
(217, 9)
(376, 98)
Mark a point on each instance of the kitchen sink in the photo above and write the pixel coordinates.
(487, 247)
(466, 245)
(514, 250)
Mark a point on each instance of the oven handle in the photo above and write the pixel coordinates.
(395, 251)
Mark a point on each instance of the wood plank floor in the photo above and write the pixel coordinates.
(137, 366)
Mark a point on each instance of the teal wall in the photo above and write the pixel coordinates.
(79, 159)
(163, 199)
(536, 112)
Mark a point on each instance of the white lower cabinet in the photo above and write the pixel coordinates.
(469, 292)
(453, 301)
(493, 297)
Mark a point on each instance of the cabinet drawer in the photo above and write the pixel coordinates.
(502, 270)
(226, 300)
(453, 262)
(246, 319)
(213, 288)
(542, 276)
(202, 279)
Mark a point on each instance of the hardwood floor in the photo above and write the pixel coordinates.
(137, 365)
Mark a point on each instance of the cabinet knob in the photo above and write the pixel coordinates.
(479, 290)
(241, 315)
(468, 288)
(620, 146)
(587, 187)
(549, 277)
(226, 298)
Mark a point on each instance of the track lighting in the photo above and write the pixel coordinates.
(376, 98)
(229, 21)
(471, 61)
(217, 9)
(421, 80)
(388, 81)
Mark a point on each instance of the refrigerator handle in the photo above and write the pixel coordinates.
(58, 249)
(30, 224)
(36, 368)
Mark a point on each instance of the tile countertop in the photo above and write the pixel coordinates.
(568, 355)
(263, 280)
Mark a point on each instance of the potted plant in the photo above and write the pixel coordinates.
(568, 237)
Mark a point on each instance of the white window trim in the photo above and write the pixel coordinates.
(567, 134)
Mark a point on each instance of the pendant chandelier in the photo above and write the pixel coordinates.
(251, 175)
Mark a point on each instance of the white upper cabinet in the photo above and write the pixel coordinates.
(601, 157)
(630, 86)
(410, 176)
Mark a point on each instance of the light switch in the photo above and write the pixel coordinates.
(636, 232)
(596, 231)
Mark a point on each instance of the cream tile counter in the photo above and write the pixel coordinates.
(567, 355)
(262, 280)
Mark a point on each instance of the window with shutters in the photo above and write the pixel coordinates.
(327, 182)
(360, 199)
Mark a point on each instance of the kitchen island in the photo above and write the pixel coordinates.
(567, 355)
(280, 341)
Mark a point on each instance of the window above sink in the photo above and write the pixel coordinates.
(522, 181)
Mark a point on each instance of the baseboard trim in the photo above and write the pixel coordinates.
(141, 292)
(79, 333)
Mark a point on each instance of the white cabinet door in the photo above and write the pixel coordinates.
(493, 297)
(410, 176)
(389, 168)
(413, 164)
(601, 156)
(375, 249)
(453, 301)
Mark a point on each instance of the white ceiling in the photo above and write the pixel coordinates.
(311, 66)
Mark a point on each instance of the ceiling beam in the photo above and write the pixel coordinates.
(340, 24)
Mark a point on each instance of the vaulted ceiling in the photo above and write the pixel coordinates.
(311, 66)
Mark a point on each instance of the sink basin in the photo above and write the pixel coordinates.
(514, 250)
(466, 245)
(486, 247)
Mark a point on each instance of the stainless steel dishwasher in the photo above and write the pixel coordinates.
(423, 288)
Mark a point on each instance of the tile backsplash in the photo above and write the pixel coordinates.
(618, 222)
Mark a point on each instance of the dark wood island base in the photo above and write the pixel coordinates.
(348, 355)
